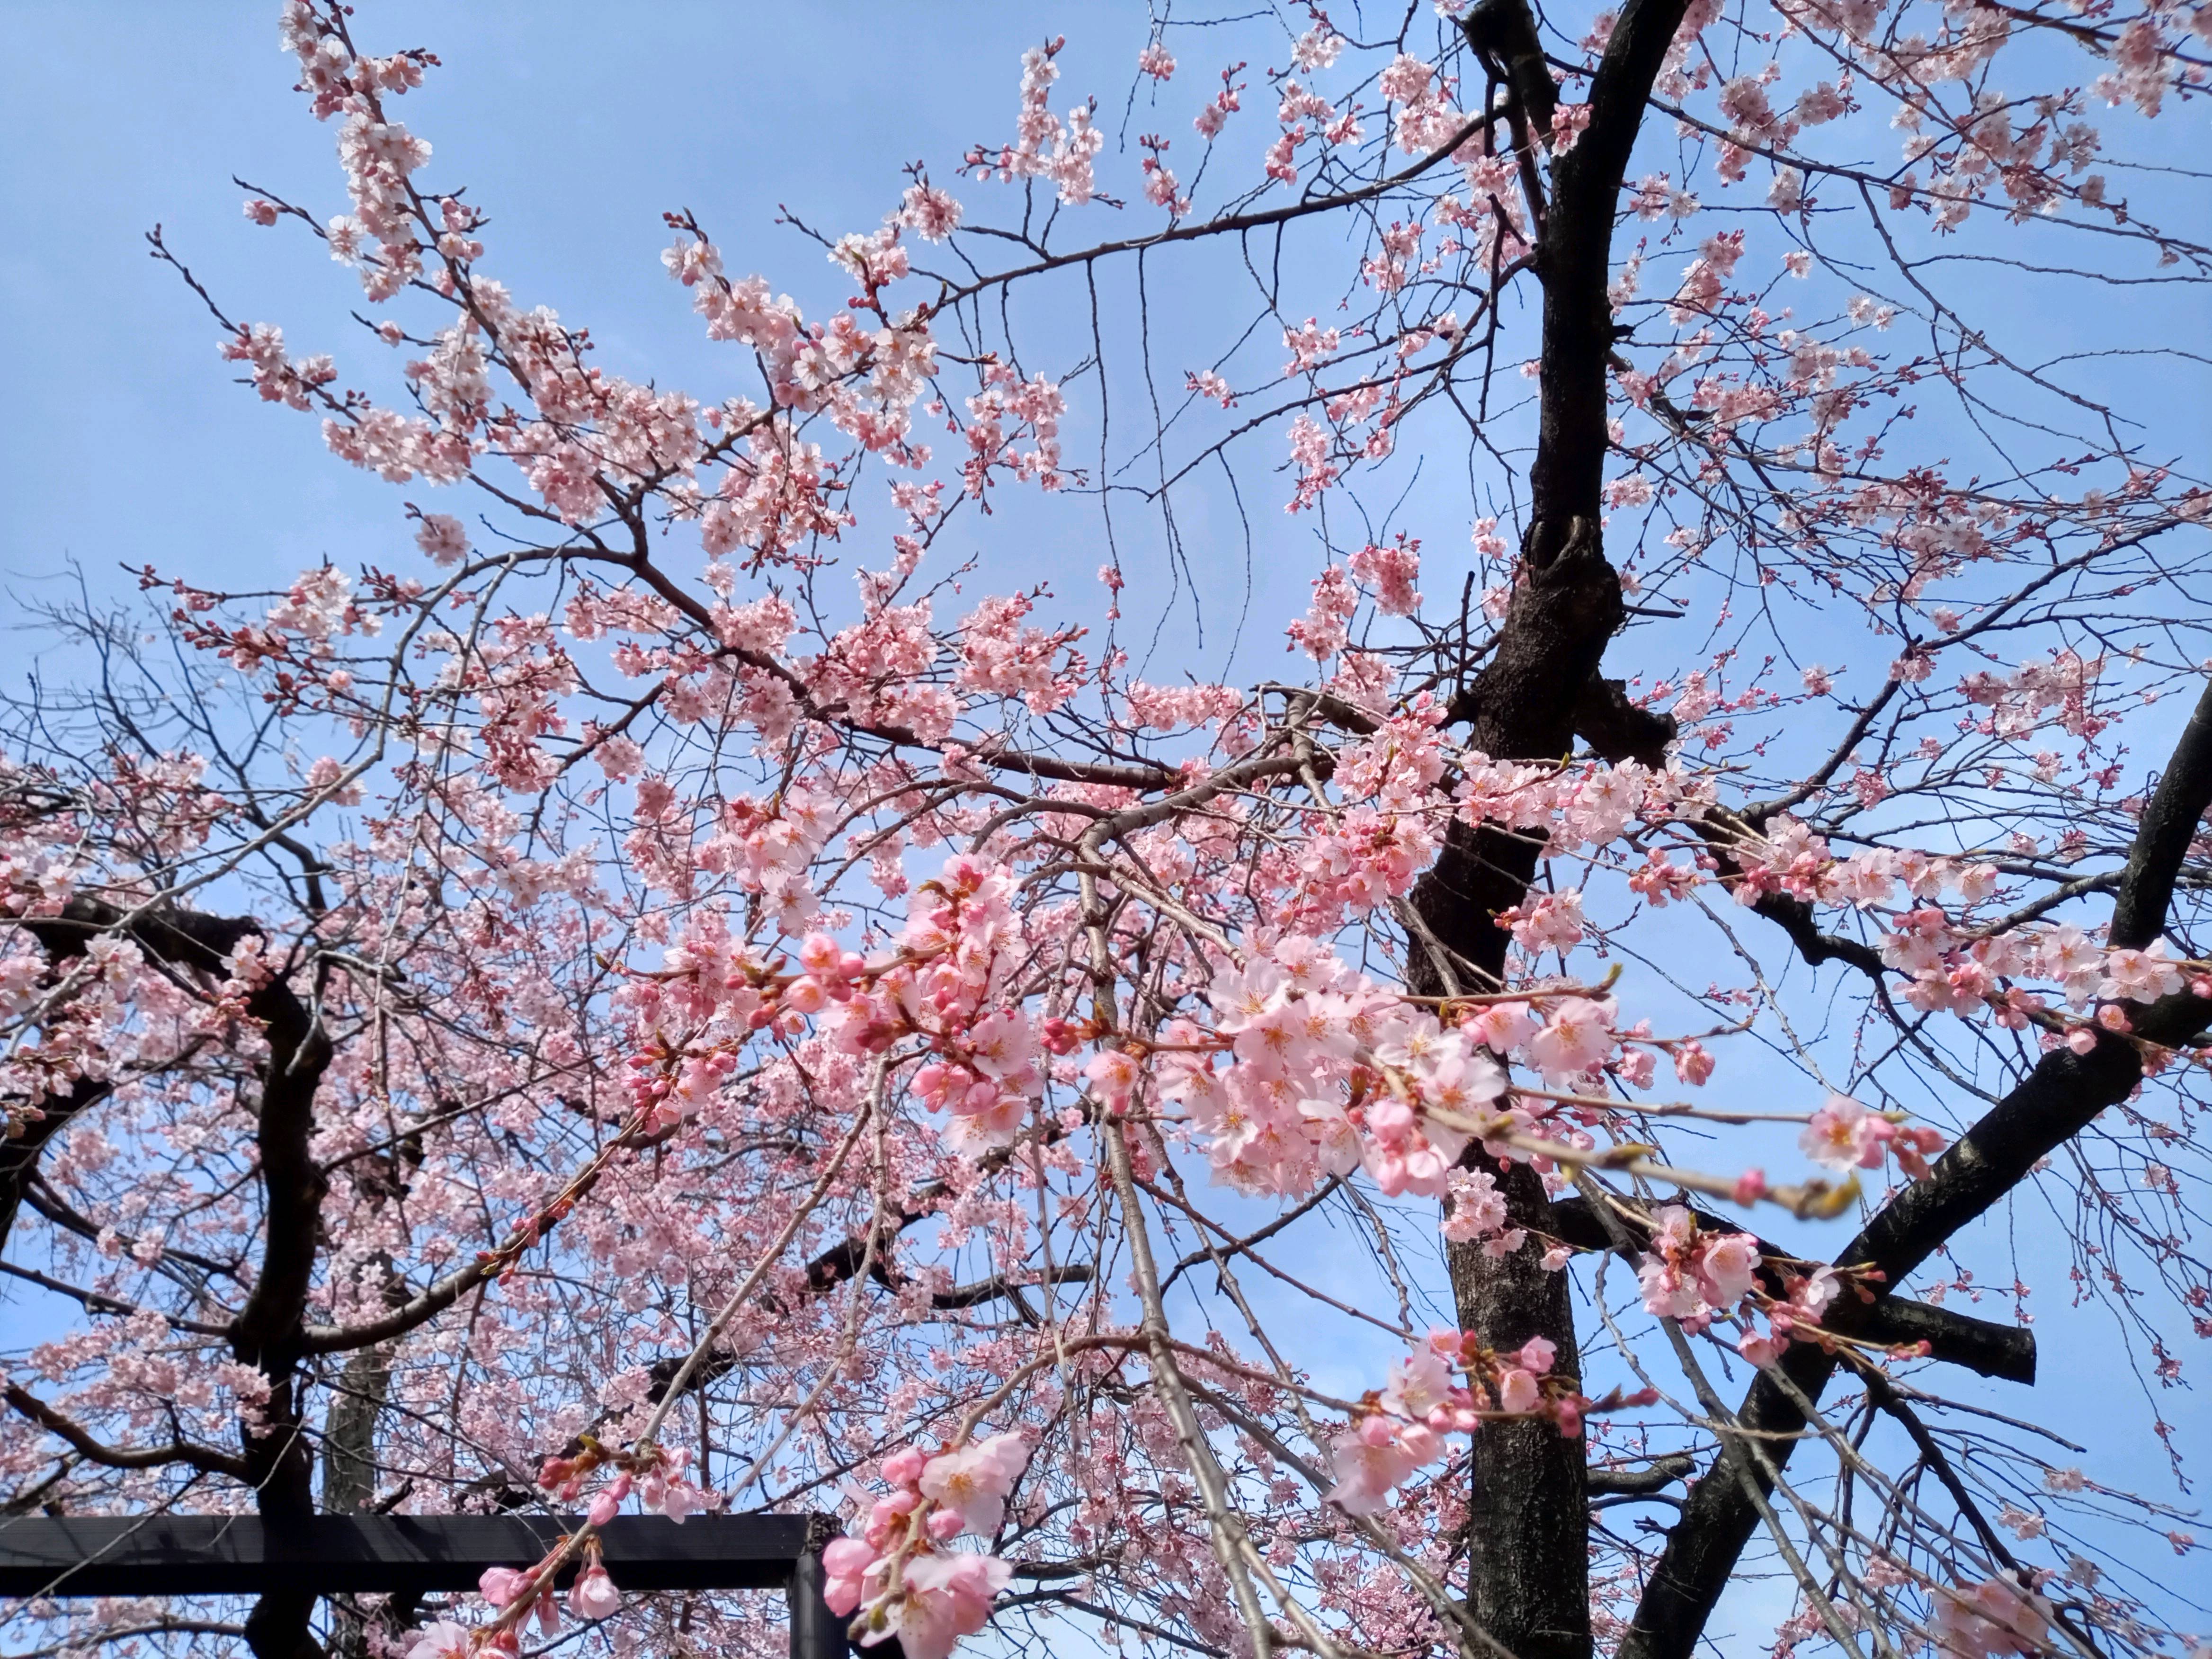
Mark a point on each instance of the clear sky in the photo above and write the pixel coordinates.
(131, 443)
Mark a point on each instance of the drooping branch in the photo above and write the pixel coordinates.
(2055, 1102)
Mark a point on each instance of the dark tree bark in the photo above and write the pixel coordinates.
(2055, 1102)
(268, 1333)
(19, 1158)
(1528, 1572)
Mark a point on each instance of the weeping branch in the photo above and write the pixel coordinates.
(2054, 1103)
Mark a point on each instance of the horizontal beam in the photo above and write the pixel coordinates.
(338, 1554)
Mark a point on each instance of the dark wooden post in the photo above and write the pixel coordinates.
(816, 1632)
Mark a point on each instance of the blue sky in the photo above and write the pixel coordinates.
(575, 135)
(120, 115)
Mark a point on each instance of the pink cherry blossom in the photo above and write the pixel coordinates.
(442, 1639)
(845, 1564)
(973, 1482)
(947, 1597)
(713, 973)
(593, 1596)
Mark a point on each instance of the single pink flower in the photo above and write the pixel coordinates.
(1518, 1391)
(973, 1482)
(593, 1596)
(947, 1597)
(443, 1640)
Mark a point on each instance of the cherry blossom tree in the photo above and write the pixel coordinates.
(608, 1009)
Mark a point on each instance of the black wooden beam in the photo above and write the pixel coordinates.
(167, 1555)
(338, 1554)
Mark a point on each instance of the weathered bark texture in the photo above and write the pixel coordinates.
(269, 1331)
(2054, 1103)
(1528, 1573)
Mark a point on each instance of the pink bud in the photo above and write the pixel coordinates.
(903, 1468)
(604, 1509)
(944, 1525)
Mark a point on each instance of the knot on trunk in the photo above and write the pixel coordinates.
(1525, 704)
(1502, 35)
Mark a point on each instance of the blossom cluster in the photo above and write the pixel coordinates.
(896, 1574)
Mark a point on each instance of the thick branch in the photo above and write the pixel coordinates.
(416, 1310)
(204, 1458)
(1528, 1536)
(1504, 35)
(268, 1332)
(1655, 1476)
(182, 938)
(1979, 1344)
(1574, 257)
(2170, 823)
(1618, 729)
(2055, 1102)
(990, 1290)
(19, 1158)
(1527, 1529)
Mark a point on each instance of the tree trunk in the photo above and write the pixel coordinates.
(1528, 1528)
